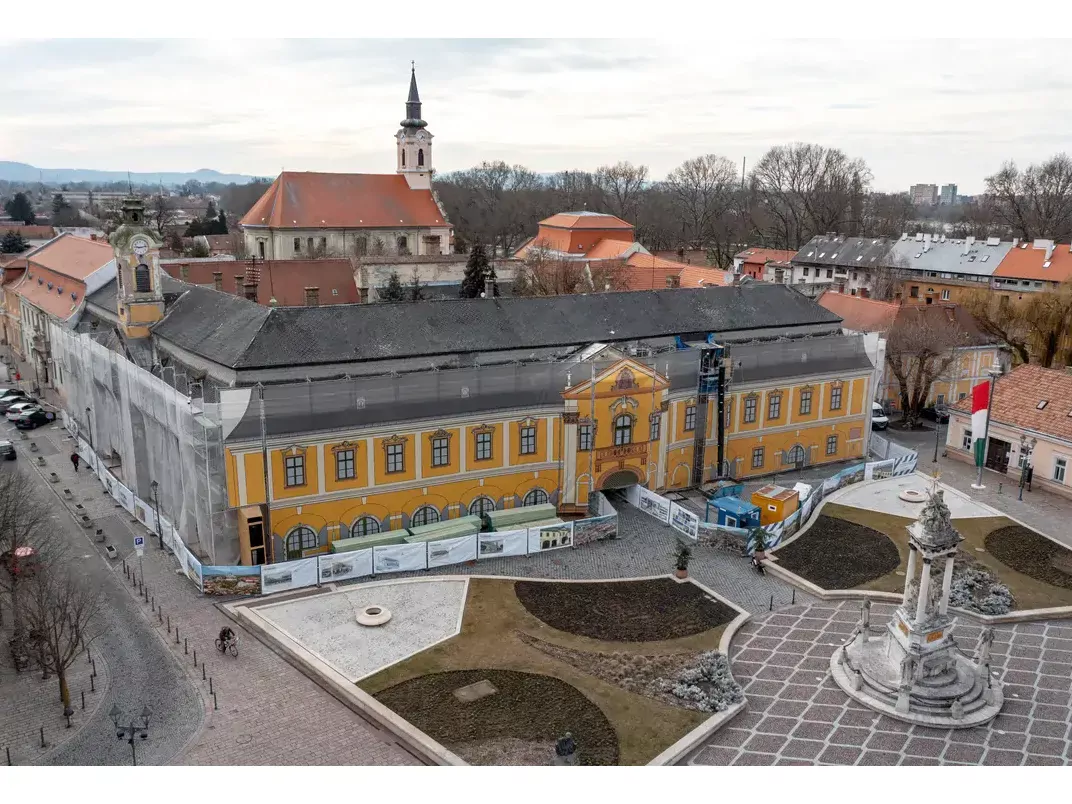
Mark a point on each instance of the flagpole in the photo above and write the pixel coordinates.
(993, 374)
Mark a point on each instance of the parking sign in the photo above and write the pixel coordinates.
(139, 544)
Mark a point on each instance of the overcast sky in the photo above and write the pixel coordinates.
(929, 111)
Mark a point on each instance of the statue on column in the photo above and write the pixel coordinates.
(865, 614)
(986, 641)
(908, 669)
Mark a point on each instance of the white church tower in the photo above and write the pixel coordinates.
(414, 142)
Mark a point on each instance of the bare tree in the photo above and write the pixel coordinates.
(23, 530)
(1036, 202)
(887, 214)
(920, 347)
(1035, 326)
(544, 274)
(622, 185)
(61, 612)
(703, 192)
(804, 189)
(886, 280)
(238, 244)
(572, 190)
(162, 212)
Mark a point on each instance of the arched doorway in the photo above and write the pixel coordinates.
(619, 479)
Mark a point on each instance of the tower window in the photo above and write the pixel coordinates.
(142, 281)
(403, 159)
(420, 157)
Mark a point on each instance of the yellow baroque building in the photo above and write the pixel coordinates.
(412, 450)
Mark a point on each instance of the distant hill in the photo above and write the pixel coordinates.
(21, 172)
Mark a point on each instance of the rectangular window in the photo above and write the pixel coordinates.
(914, 291)
(805, 402)
(945, 295)
(656, 429)
(309, 242)
(483, 446)
(528, 440)
(440, 452)
(584, 437)
(941, 400)
(690, 418)
(297, 245)
(323, 244)
(831, 445)
(835, 398)
(750, 409)
(260, 253)
(966, 441)
(805, 272)
(1059, 467)
(344, 464)
(396, 460)
(829, 273)
(774, 407)
(295, 470)
(757, 458)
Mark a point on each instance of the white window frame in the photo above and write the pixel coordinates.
(1060, 467)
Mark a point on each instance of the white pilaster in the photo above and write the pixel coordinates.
(240, 473)
(924, 591)
(549, 424)
(506, 443)
(418, 441)
(320, 487)
(463, 450)
(947, 584)
(910, 573)
(371, 463)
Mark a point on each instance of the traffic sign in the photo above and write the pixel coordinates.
(139, 544)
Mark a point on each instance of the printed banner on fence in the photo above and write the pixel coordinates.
(123, 496)
(289, 575)
(399, 558)
(654, 505)
(632, 494)
(87, 456)
(443, 552)
(684, 521)
(852, 474)
(879, 470)
(345, 566)
(227, 581)
(550, 537)
(598, 528)
(169, 534)
(503, 543)
(193, 568)
(145, 514)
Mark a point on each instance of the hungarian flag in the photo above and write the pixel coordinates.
(980, 413)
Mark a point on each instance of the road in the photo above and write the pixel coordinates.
(141, 669)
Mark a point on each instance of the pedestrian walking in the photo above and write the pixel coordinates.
(75, 459)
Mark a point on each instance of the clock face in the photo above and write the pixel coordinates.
(141, 247)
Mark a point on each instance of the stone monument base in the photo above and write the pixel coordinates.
(959, 697)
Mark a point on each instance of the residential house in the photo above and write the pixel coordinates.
(870, 319)
(1031, 403)
(929, 268)
(1029, 268)
(753, 261)
(835, 262)
(923, 195)
(273, 283)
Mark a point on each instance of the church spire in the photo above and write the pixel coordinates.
(413, 102)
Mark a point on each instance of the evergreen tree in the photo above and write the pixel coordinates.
(210, 211)
(220, 224)
(477, 271)
(393, 290)
(19, 208)
(13, 243)
(414, 289)
(59, 203)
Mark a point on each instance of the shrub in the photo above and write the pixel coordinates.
(708, 687)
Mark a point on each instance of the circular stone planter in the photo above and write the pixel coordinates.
(371, 616)
(913, 496)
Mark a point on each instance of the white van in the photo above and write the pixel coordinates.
(879, 420)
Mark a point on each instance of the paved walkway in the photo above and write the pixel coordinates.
(269, 713)
(644, 547)
(797, 715)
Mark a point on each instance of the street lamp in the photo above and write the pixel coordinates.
(1027, 445)
(156, 504)
(89, 421)
(939, 410)
(133, 730)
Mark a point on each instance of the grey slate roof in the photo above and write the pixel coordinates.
(367, 401)
(955, 257)
(849, 252)
(239, 334)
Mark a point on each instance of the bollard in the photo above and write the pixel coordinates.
(794, 595)
(89, 656)
(152, 604)
(210, 690)
(176, 635)
(83, 699)
(8, 756)
(771, 603)
(92, 683)
(159, 614)
(214, 704)
(68, 719)
(202, 671)
(169, 623)
(94, 663)
(185, 646)
(43, 743)
(195, 657)
(999, 487)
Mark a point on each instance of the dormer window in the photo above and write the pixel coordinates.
(1042, 405)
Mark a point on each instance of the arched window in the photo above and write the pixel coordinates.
(623, 430)
(795, 455)
(535, 497)
(420, 157)
(299, 539)
(142, 280)
(425, 515)
(364, 526)
(481, 505)
(403, 245)
(403, 159)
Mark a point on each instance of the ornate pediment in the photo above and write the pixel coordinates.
(624, 404)
(441, 433)
(345, 445)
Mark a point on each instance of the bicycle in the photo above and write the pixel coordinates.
(230, 645)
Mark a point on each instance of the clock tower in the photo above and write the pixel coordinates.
(137, 258)
(414, 142)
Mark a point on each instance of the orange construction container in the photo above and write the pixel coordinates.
(775, 503)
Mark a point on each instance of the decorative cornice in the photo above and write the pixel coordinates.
(295, 449)
(625, 381)
(570, 417)
(441, 433)
(626, 402)
(345, 445)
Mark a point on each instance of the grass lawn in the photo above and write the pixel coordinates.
(548, 680)
(1020, 558)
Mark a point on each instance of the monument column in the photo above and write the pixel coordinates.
(910, 573)
(924, 591)
(947, 585)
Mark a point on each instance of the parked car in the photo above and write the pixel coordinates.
(7, 450)
(879, 419)
(14, 398)
(938, 413)
(20, 561)
(34, 419)
(19, 408)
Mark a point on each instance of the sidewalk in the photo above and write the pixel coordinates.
(269, 713)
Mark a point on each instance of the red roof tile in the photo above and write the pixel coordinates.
(72, 256)
(585, 220)
(56, 301)
(695, 276)
(1028, 263)
(858, 313)
(343, 201)
(761, 256)
(1018, 395)
(284, 280)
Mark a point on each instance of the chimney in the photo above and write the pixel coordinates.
(217, 280)
(251, 291)
(239, 280)
(312, 297)
(489, 288)
(1049, 250)
(1015, 240)
(673, 281)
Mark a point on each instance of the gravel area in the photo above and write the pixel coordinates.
(423, 612)
(881, 496)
